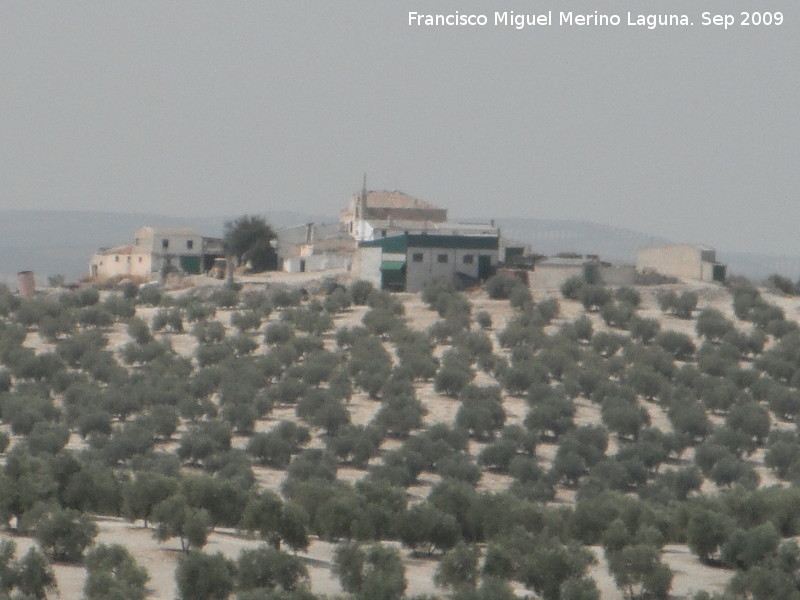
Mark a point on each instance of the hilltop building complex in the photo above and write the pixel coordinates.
(400, 243)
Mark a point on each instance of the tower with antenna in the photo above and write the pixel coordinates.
(361, 205)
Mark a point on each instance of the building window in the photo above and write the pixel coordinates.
(383, 233)
(116, 258)
(189, 244)
(165, 244)
(468, 259)
(140, 259)
(416, 257)
(136, 241)
(441, 258)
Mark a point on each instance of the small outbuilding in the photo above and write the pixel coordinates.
(684, 261)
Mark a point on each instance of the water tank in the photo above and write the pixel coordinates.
(25, 284)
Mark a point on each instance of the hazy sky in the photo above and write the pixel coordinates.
(211, 108)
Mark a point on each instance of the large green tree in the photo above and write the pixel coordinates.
(249, 240)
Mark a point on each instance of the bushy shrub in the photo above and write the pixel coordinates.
(782, 284)
(682, 306)
(454, 374)
(629, 296)
(246, 320)
(149, 295)
(483, 319)
(521, 297)
(594, 297)
(679, 345)
(500, 286)
(481, 412)
(225, 297)
(286, 297)
(643, 329)
(548, 309)
(360, 291)
(171, 319)
(617, 314)
(572, 287)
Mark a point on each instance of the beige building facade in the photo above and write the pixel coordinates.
(156, 250)
(684, 261)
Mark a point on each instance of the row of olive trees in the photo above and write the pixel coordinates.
(551, 417)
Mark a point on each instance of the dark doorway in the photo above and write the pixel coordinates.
(393, 276)
(484, 266)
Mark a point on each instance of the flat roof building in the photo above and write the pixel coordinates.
(684, 261)
(408, 262)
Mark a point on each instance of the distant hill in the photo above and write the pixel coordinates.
(61, 242)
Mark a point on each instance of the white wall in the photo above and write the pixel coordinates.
(684, 262)
(550, 278)
(418, 274)
(151, 240)
(367, 265)
(325, 261)
(318, 262)
(106, 266)
(618, 275)
(374, 230)
(362, 230)
(292, 264)
(707, 271)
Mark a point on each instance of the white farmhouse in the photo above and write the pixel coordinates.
(157, 250)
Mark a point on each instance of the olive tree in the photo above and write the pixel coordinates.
(266, 568)
(374, 573)
(202, 576)
(65, 534)
(112, 572)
